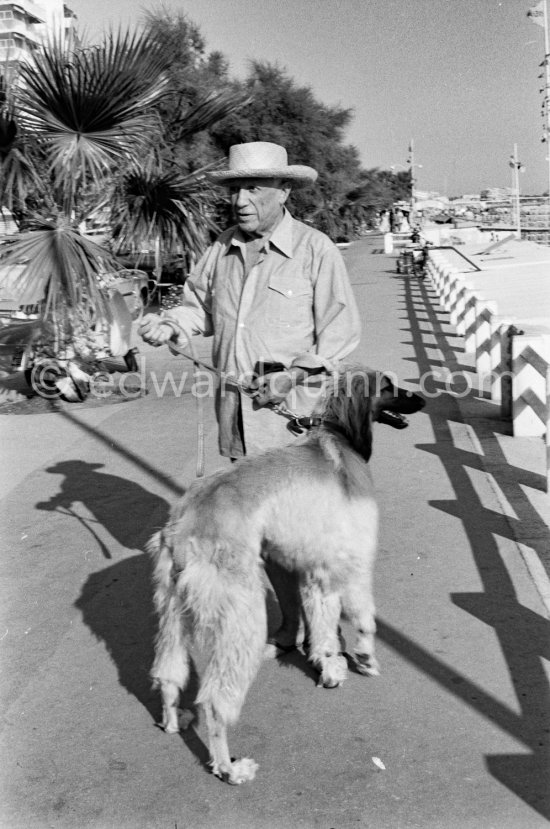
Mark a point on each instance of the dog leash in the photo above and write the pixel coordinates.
(297, 424)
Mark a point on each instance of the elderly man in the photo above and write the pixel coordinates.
(271, 290)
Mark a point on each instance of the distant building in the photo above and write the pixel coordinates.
(25, 25)
(497, 194)
(469, 198)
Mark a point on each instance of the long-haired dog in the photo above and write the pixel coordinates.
(309, 507)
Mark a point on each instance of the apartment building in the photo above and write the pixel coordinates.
(25, 25)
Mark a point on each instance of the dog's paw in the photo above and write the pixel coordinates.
(240, 771)
(171, 728)
(176, 720)
(367, 665)
(333, 670)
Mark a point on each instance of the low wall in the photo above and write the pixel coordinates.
(539, 234)
(512, 352)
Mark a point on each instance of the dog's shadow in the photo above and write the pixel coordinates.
(295, 658)
(117, 606)
(298, 658)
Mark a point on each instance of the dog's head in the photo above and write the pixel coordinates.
(359, 396)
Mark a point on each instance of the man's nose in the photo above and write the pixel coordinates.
(241, 197)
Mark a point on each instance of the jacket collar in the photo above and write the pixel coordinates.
(281, 238)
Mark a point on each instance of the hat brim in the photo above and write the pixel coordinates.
(295, 172)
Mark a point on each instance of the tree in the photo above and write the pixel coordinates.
(18, 174)
(200, 94)
(163, 201)
(82, 131)
(87, 112)
(164, 208)
(313, 133)
(378, 190)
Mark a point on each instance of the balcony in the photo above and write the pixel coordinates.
(14, 54)
(19, 27)
(35, 13)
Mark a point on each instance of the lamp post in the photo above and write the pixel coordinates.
(517, 168)
(539, 15)
(412, 165)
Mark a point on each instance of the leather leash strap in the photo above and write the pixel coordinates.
(279, 408)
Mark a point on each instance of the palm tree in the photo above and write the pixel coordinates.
(18, 174)
(154, 203)
(89, 111)
(86, 118)
(162, 208)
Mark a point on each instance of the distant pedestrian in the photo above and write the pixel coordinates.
(384, 225)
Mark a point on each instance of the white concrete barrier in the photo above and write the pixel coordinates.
(497, 313)
(530, 365)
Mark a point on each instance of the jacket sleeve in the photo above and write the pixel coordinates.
(336, 316)
(194, 315)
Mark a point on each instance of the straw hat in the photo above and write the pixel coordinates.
(261, 159)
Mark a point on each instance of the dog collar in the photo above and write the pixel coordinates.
(299, 425)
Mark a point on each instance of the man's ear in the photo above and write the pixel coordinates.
(286, 187)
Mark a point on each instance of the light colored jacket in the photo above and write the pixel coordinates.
(295, 307)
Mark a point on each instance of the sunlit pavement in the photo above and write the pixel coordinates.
(453, 735)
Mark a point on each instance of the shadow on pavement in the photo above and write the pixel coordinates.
(116, 503)
(117, 606)
(523, 635)
(117, 602)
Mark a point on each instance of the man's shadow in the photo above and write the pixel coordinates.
(129, 512)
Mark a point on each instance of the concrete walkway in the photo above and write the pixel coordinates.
(453, 735)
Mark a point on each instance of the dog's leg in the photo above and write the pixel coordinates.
(358, 606)
(322, 609)
(286, 586)
(235, 637)
(236, 771)
(170, 669)
(170, 693)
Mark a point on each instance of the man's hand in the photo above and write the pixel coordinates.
(154, 330)
(272, 388)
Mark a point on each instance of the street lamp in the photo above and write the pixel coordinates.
(412, 165)
(517, 168)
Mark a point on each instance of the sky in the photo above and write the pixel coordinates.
(458, 77)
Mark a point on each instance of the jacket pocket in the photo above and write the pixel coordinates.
(289, 301)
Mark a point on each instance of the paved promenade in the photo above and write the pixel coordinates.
(455, 732)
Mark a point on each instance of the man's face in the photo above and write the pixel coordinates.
(258, 203)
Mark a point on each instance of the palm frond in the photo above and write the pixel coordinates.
(150, 204)
(213, 107)
(18, 173)
(90, 106)
(18, 176)
(59, 264)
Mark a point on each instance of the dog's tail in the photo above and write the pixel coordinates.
(171, 653)
(163, 568)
